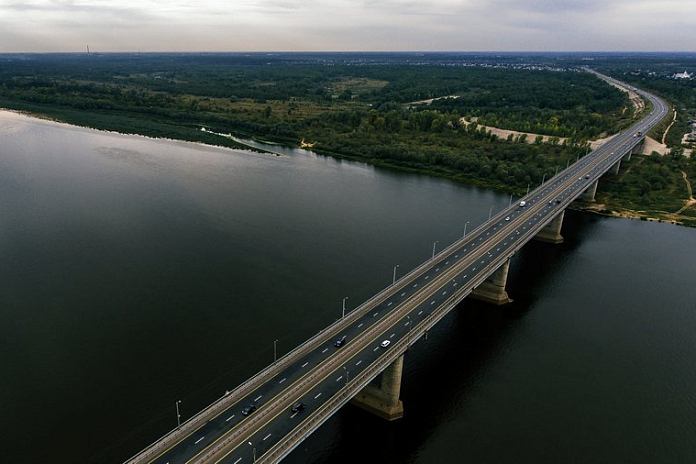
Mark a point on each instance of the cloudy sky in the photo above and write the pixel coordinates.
(346, 25)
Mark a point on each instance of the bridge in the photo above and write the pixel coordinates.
(270, 414)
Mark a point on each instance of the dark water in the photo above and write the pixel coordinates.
(134, 273)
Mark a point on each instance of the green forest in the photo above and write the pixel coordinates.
(398, 111)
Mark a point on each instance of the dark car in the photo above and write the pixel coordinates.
(248, 410)
(340, 342)
(297, 407)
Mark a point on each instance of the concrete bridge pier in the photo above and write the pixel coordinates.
(381, 396)
(492, 290)
(552, 232)
(589, 194)
(615, 168)
(627, 156)
(638, 148)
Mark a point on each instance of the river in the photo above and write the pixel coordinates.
(137, 272)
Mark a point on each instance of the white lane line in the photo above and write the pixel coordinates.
(305, 364)
(392, 335)
(267, 437)
(318, 395)
(283, 380)
(420, 312)
(199, 440)
(432, 302)
(259, 397)
(358, 363)
(415, 285)
(229, 418)
(339, 378)
(445, 292)
(375, 314)
(325, 350)
(406, 324)
(293, 416)
(427, 277)
(376, 348)
(389, 304)
(437, 269)
(237, 461)
(403, 294)
(360, 325)
(456, 256)
(446, 262)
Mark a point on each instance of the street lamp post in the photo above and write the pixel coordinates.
(528, 188)
(178, 416)
(434, 243)
(543, 179)
(465, 224)
(490, 212)
(343, 314)
(347, 374)
(510, 200)
(275, 350)
(394, 278)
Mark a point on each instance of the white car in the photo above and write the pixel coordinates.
(507, 218)
(385, 343)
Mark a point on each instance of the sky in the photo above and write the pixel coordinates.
(347, 25)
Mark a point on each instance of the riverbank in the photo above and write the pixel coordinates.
(209, 137)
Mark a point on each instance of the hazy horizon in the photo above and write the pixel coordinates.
(346, 26)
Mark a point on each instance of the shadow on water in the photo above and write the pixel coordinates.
(440, 372)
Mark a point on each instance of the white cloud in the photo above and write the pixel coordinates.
(253, 25)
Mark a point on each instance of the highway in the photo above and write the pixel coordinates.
(323, 376)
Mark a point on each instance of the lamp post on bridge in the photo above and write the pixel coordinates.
(347, 374)
(434, 243)
(275, 350)
(543, 179)
(178, 416)
(528, 185)
(343, 313)
(394, 278)
(510, 200)
(490, 213)
(465, 224)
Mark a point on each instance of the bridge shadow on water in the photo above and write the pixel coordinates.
(442, 372)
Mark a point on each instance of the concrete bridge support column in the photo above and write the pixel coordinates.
(381, 396)
(589, 194)
(639, 147)
(615, 168)
(552, 232)
(492, 290)
(627, 156)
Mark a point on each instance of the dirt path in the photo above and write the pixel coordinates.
(690, 201)
(674, 119)
(504, 133)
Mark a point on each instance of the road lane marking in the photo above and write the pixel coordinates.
(376, 348)
(325, 350)
(318, 395)
(392, 335)
(420, 312)
(267, 437)
(237, 461)
(389, 304)
(259, 397)
(427, 277)
(293, 416)
(199, 440)
(415, 285)
(305, 364)
(375, 314)
(361, 324)
(229, 418)
(404, 325)
(403, 294)
(432, 302)
(358, 363)
(283, 379)
(339, 378)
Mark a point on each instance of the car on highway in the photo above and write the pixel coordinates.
(340, 342)
(297, 407)
(385, 343)
(249, 409)
(507, 218)
(587, 176)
